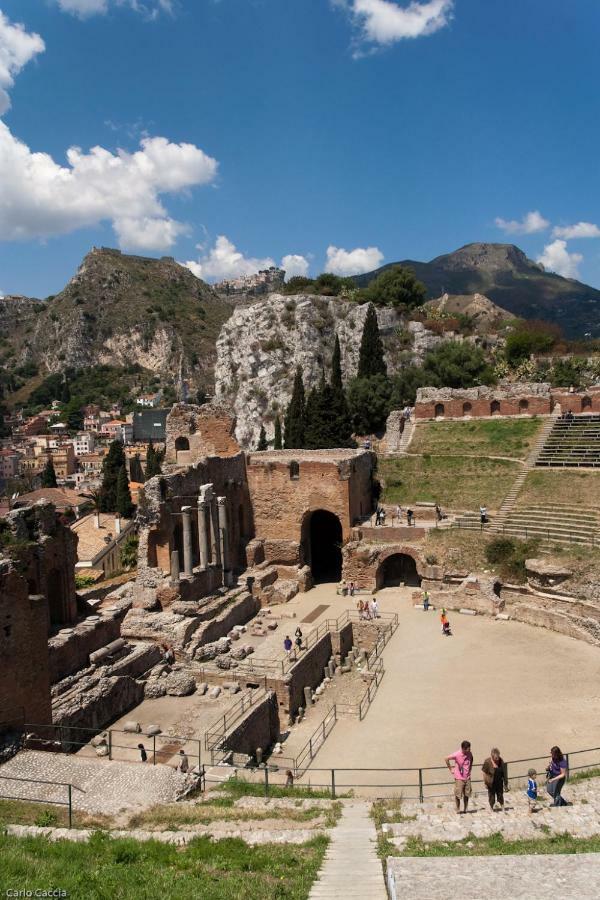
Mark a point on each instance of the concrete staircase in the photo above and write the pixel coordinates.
(407, 436)
(351, 868)
(573, 442)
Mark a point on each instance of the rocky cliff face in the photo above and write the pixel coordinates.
(121, 310)
(261, 345)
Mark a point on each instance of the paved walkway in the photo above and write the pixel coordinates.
(352, 868)
(576, 876)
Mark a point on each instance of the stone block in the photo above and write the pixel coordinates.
(132, 727)
(214, 692)
(180, 684)
(151, 730)
(202, 688)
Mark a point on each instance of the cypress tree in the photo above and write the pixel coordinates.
(277, 443)
(136, 472)
(321, 424)
(336, 366)
(114, 461)
(262, 439)
(48, 477)
(295, 419)
(153, 461)
(371, 360)
(124, 505)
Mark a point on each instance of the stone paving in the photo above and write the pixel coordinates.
(432, 823)
(99, 785)
(572, 876)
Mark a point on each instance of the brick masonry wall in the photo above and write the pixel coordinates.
(578, 403)
(308, 672)
(455, 408)
(208, 429)
(70, 652)
(25, 681)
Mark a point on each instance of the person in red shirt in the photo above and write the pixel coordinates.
(461, 764)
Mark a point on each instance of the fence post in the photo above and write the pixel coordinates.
(567, 759)
(199, 752)
(310, 748)
(70, 806)
(421, 786)
(333, 783)
(266, 781)
(153, 749)
(323, 729)
(202, 778)
(110, 743)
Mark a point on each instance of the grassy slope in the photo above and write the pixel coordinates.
(567, 487)
(491, 437)
(212, 870)
(457, 483)
(496, 845)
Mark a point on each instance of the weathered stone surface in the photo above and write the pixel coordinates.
(180, 684)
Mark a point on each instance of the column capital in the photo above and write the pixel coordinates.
(221, 501)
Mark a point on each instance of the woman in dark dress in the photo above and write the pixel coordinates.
(494, 776)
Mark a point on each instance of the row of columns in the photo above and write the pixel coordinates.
(213, 535)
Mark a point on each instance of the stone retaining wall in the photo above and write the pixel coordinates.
(259, 728)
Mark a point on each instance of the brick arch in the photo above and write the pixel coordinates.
(397, 550)
(332, 533)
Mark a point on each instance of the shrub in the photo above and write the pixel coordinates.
(509, 555)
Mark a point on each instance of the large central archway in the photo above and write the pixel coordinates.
(398, 569)
(324, 545)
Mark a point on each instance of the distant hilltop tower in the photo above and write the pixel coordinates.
(266, 281)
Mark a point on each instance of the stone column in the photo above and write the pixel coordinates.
(186, 515)
(175, 567)
(203, 532)
(223, 536)
(215, 547)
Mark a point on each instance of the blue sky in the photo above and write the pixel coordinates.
(282, 128)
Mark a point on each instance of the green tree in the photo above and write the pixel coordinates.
(405, 385)
(65, 394)
(371, 360)
(457, 364)
(136, 472)
(278, 442)
(48, 476)
(129, 549)
(369, 400)
(336, 366)
(299, 284)
(124, 504)
(262, 440)
(295, 418)
(340, 413)
(153, 462)
(112, 465)
(530, 337)
(396, 286)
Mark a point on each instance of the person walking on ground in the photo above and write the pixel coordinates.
(439, 515)
(410, 517)
(494, 776)
(374, 608)
(367, 610)
(483, 514)
(443, 620)
(425, 600)
(351, 589)
(287, 644)
(532, 790)
(398, 514)
(184, 763)
(382, 515)
(289, 779)
(557, 774)
(462, 763)
(143, 754)
(298, 636)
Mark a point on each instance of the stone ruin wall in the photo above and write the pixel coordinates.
(39, 581)
(504, 400)
(337, 481)
(207, 430)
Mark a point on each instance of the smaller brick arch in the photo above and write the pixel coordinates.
(467, 408)
(523, 405)
(586, 403)
(439, 411)
(294, 470)
(182, 443)
(495, 408)
(395, 551)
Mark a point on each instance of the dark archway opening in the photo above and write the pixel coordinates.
(56, 597)
(182, 443)
(398, 569)
(586, 403)
(325, 541)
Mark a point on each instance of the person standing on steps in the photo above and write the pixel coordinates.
(462, 761)
(494, 776)
(557, 775)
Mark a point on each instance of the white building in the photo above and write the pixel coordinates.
(101, 536)
(84, 443)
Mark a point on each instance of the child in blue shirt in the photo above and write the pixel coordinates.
(532, 790)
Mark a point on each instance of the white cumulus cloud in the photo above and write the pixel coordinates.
(580, 230)
(224, 260)
(294, 264)
(352, 262)
(83, 9)
(385, 22)
(17, 48)
(556, 258)
(529, 224)
(40, 198)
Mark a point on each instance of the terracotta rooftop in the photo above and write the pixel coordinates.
(92, 539)
(60, 497)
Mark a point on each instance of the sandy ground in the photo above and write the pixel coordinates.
(495, 683)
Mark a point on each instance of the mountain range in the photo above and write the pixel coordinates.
(504, 273)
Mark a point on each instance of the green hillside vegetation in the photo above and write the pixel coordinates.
(559, 486)
(105, 868)
(503, 273)
(458, 483)
(491, 437)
